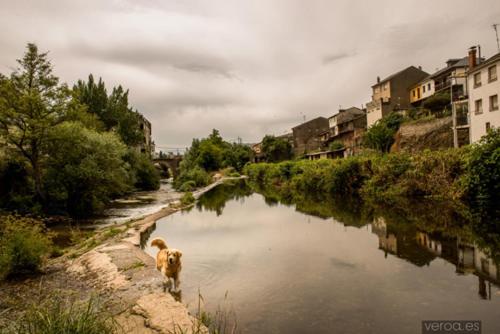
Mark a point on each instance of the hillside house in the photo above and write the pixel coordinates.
(393, 93)
(306, 136)
(484, 90)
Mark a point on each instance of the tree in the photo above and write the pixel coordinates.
(31, 103)
(276, 149)
(85, 169)
(113, 110)
(380, 136)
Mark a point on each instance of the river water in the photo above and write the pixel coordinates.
(321, 267)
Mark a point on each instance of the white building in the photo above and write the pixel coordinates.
(484, 90)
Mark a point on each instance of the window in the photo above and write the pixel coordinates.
(479, 106)
(488, 126)
(414, 93)
(492, 73)
(423, 88)
(493, 102)
(375, 90)
(385, 86)
(477, 80)
(429, 86)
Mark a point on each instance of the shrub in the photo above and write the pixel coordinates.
(198, 175)
(336, 145)
(380, 136)
(144, 174)
(482, 177)
(58, 316)
(187, 199)
(23, 245)
(188, 186)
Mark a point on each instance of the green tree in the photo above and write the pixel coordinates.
(437, 103)
(380, 136)
(276, 149)
(85, 169)
(31, 103)
(482, 176)
(113, 110)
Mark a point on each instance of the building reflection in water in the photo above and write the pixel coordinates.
(421, 248)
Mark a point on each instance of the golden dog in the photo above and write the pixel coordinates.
(168, 261)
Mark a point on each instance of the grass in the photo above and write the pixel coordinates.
(65, 316)
(135, 265)
(223, 321)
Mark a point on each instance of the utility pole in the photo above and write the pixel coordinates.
(496, 33)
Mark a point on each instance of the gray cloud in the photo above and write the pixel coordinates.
(332, 58)
(245, 67)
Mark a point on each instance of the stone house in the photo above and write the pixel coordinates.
(347, 127)
(393, 93)
(306, 136)
(147, 145)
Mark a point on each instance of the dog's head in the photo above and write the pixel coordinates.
(173, 256)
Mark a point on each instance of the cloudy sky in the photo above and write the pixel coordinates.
(247, 68)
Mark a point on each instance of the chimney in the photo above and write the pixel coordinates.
(378, 79)
(479, 54)
(472, 58)
(420, 68)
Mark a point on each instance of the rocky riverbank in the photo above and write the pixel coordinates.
(112, 265)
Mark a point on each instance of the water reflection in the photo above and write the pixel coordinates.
(303, 264)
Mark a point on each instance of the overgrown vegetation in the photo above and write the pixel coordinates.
(469, 173)
(24, 244)
(66, 151)
(65, 316)
(209, 155)
(276, 149)
(187, 199)
(380, 136)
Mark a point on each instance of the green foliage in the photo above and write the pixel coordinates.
(482, 179)
(31, 103)
(276, 149)
(196, 174)
(24, 244)
(380, 136)
(113, 110)
(437, 103)
(336, 145)
(144, 174)
(64, 150)
(59, 316)
(210, 154)
(188, 186)
(84, 170)
(187, 198)
(374, 176)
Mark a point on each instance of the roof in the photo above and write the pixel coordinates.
(463, 62)
(392, 76)
(348, 114)
(485, 63)
(311, 121)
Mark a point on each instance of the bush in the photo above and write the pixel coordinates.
(482, 178)
(85, 170)
(144, 174)
(23, 245)
(188, 186)
(336, 145)
(197, 175)
(60, 316)
(187, 199)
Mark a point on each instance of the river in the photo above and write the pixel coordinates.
(321, 267)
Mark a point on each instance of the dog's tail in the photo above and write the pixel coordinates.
(159, 242)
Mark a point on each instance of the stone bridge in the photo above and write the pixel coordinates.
(169, 163)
